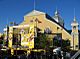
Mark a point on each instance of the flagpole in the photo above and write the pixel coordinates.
(34, 4)
(74, 12)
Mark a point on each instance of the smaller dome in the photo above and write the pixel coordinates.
(58, 18)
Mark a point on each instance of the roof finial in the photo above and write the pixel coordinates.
(56, 13)
(74, 15)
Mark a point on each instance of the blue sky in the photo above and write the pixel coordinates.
(14, 10)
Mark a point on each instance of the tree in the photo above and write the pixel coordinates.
(1, 39)
(42, 41)
(63, 43)
(56, 42)
(66, 45)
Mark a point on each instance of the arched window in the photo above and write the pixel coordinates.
(74, 27)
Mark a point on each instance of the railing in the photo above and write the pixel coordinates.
(75, 55)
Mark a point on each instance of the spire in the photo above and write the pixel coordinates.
(56, 12)
(74, 19)
(74, 15)
(74, 23)
(58, 18)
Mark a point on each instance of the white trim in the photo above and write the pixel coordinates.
(21, 26)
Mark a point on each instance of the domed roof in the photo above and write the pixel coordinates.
(58, 18)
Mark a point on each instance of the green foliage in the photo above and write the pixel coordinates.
(42, 41)
(56, 43)
(1, 41)
(64, 44)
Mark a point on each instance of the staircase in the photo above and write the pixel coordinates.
(76, 55)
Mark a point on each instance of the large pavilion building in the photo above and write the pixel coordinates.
(37, 22)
